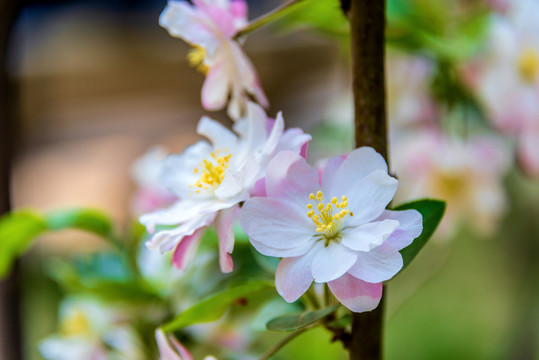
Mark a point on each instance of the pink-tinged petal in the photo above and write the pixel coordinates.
(294, 276)
(356, 295)
(368, 197)
(294, 140)
(284, 253)
(188, 23)
(332, 262)
(186, 249)
(260, 188)
(275, 223)
(166, 240)
(359, 163)
(225, 233)
(368, 236)
(410, 227)
(330, 170)
(379, 264)
(219, 135)
(238, 8)
(223, 19)
(216, 87)
(288, 176)
(171, 349)
(528, 152)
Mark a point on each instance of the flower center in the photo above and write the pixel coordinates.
(195, 57)
(327, 218)
(75, 324)
(528, 64)
(212, 171)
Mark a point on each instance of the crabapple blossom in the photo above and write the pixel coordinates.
(210, 26)
(91, 331)
(212, 178)
(331, 229)
(507, 78)
(466, 174)
(150, 194)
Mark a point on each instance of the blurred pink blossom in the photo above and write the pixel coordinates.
(507, 78)
(210, 26)
(467, 174)
(331, 229)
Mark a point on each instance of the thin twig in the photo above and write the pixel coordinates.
(269, 17)
(285, 341)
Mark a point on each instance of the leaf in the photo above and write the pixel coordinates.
(432, 212)
(214, 306)
(293, 322)
(90, 220)
(17, 230)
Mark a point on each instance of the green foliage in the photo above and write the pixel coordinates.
(90, 220)
(298, 321)
(17, 230)
(323, 16)
(432, 212)
(214, 306)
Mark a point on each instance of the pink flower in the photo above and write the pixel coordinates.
(507, 78)
(332, 229)
(211, 179)
(210, 26)
(466, 174)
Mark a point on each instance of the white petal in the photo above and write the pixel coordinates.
(410, 227)
(216, 87)
(225, 233)
(288, 176)
(379, 264)
(284, 253)
(219, 135)
(356, 295)
(357, 165)
(368, 197)
(368, 236)
(294, 276)
(332, 262)
(275, 223)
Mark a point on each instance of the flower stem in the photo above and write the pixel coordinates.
(285, 341)
(367, 35)
(273, 15)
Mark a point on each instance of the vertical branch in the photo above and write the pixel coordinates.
(10, 327)
(367, 36)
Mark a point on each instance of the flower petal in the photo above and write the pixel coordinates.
(332, 262)
(368, 197)
(356, 295)
(294, 276)
(288, 176)
(368, 236)
(216, 87)
(219, 135)
(284, 253)
(379, 264)
(225, 233)
(357, 165)
(275, 223)
(166, 350)
(186, 249)
(410, 227)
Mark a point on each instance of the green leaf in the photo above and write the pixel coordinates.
(17, 230)
(293, 322)
(432, 212)
(214, 306)
(90, 220)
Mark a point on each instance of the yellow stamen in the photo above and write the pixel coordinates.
(328, 219)
(528, 64)
(212, 171)
(195, 57)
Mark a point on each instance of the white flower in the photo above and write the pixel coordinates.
(212, 178)
(332, 229)
(210, 26)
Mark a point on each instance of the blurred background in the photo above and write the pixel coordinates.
(95, 84)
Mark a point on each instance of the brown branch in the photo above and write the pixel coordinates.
(367, 35)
